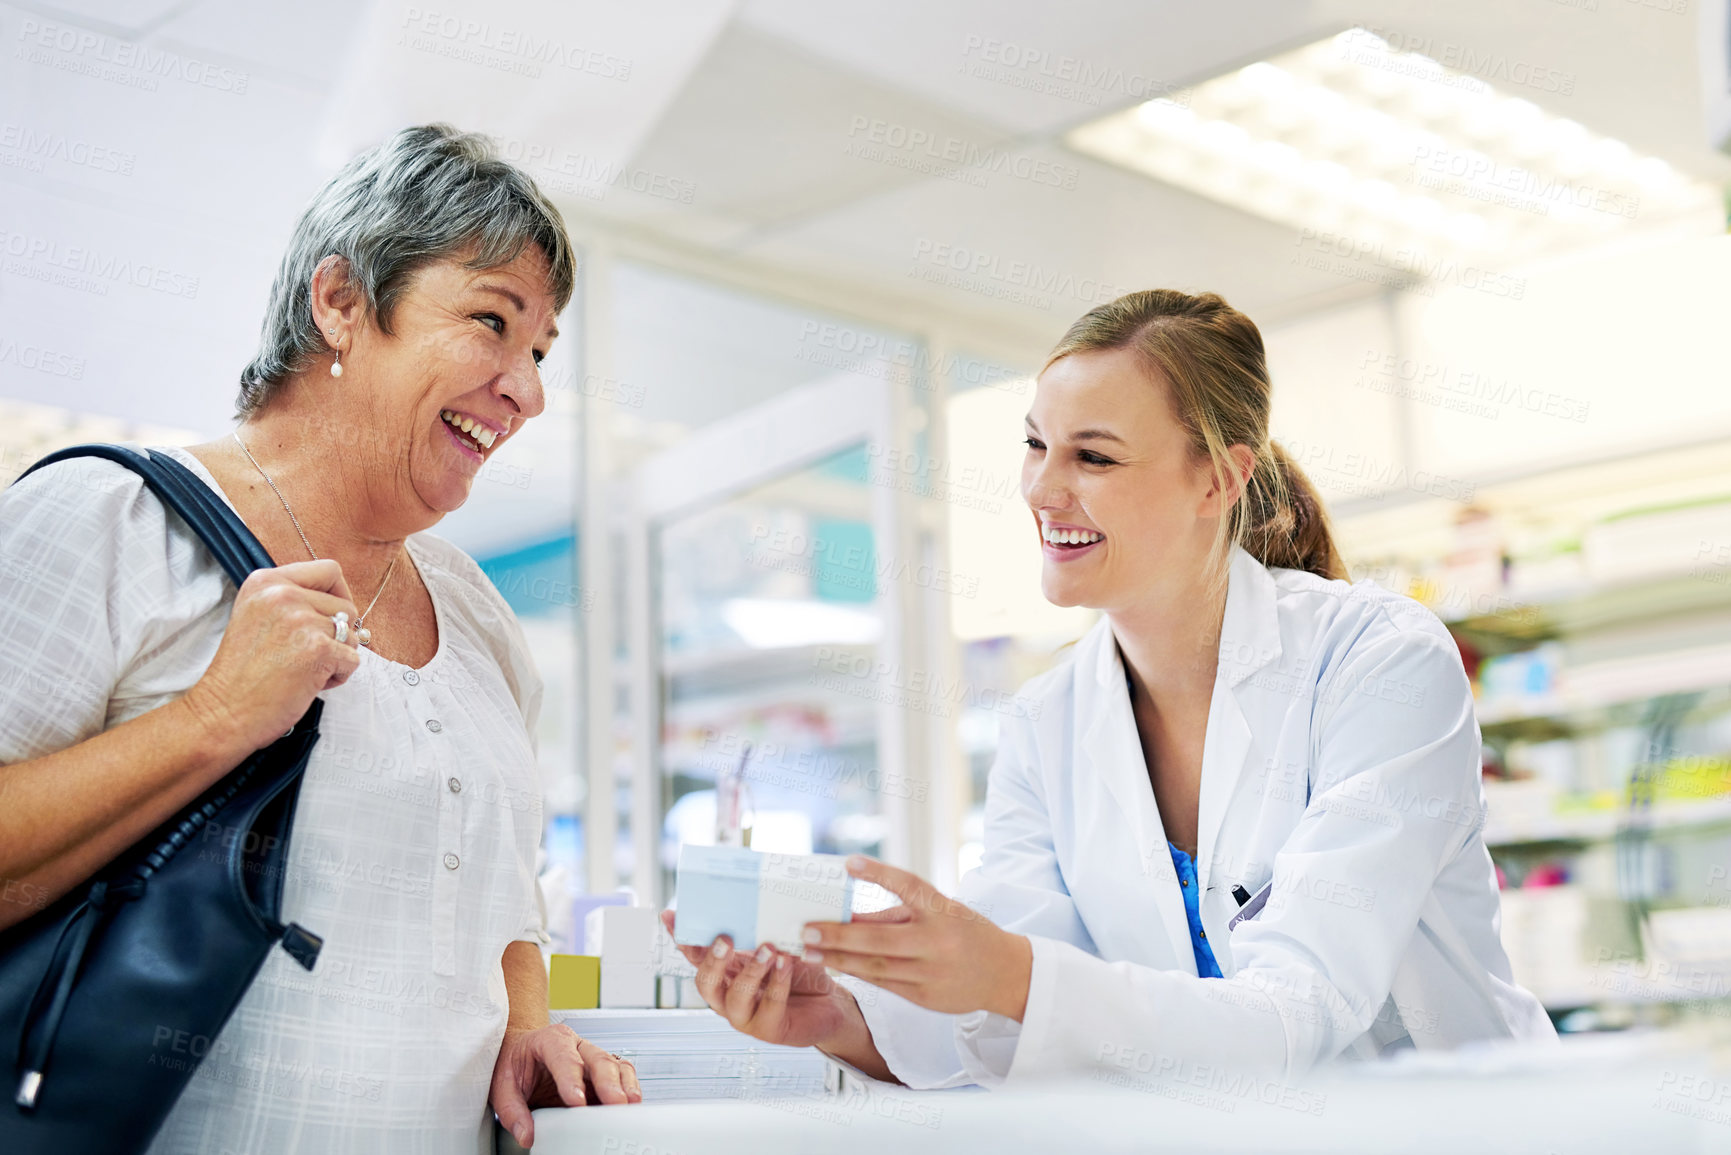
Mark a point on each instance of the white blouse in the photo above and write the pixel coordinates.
(413, 847)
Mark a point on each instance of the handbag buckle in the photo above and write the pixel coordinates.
(302, 944)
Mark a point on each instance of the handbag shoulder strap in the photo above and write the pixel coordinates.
(207, 515)
(239, 553)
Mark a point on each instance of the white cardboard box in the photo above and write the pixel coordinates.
(627, 984)
(621, 934)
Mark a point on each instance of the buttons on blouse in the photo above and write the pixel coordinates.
(452, 861)
(411, 677)
(433, 725)
(455, 785)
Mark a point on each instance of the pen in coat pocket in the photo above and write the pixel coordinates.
(1250, 906)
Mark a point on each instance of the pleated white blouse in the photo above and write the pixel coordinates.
(413, 845)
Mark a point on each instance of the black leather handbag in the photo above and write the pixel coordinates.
(110, 996)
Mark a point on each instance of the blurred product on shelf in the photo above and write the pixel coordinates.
(1473, 573)
(1692, 939)
(624, 938)
(1546, 874)
(1543, 931)
(581, 905)
(1524, 681)
(573, 982)
(1661, 541)
(732, 804)
(1519, 810)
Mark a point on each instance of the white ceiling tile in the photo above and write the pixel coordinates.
(1033, 67)
(1046, 254)
(766, 132)
(558, 83)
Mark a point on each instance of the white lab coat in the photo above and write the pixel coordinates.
(1341, 761)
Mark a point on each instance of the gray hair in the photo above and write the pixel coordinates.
(426, 194)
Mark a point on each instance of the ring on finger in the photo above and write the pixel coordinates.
(340, 620)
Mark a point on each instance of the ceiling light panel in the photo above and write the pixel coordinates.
(1349, 136)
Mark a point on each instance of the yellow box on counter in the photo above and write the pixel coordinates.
(574, 982)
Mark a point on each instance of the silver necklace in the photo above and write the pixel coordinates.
(362, 635)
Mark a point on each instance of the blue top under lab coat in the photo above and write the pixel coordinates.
(1205, 964)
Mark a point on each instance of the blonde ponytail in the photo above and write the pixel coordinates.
(1285, 523)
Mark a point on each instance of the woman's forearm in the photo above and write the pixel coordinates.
(853, 1043)
(65, 815)
(525, 987)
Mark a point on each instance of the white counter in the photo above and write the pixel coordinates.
(1594, 1098)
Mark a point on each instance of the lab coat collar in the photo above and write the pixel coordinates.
(1250, 633)
(1110, 759)
(1249, 640)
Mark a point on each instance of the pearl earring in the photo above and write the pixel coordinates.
(337, 362)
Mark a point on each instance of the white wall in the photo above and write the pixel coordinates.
(1603, 352)
(1599, 353)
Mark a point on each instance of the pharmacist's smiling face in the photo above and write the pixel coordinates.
(1117, 497)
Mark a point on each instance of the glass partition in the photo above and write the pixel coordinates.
(768, 614)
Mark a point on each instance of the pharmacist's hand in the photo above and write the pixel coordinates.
(555, 1067)
(932, 950)
(768, 995)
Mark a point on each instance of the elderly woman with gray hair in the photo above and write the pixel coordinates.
(400, 349)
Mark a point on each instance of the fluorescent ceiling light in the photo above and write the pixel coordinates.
(774, 624)
(1392, 151)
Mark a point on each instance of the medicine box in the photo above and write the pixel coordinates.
(624, 937)
(756, 897)
(574, 982)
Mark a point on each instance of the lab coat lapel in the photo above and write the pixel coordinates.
(1249, 640)
(1115, 766)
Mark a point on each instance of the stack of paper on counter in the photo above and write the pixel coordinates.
(696, 1054)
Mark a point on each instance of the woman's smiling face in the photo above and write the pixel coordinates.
(459, 372)
(1122, 505)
